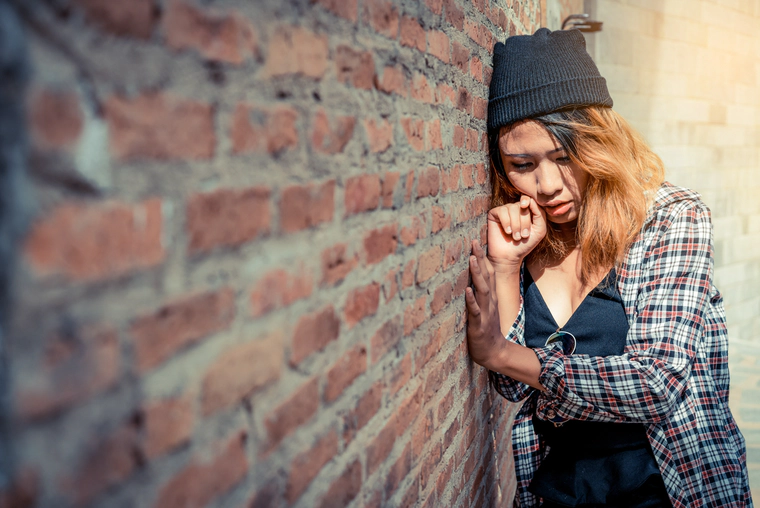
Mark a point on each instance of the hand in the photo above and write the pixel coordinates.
(514, 230)
(484, 338)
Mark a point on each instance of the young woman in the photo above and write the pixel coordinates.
(599, 275)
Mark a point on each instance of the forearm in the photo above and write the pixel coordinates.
(518, 362)
(508, 294)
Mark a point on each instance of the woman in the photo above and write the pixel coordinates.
(599, 275)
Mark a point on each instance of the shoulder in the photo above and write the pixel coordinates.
(671, 201)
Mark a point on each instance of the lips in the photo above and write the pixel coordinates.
(559, 208)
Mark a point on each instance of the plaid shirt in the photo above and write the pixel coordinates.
(673, 375)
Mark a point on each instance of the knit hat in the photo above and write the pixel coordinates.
(537, 74)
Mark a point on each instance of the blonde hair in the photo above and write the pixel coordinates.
(623, 175)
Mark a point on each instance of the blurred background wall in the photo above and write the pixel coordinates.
(243, 281)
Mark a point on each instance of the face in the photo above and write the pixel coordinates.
(538, 166)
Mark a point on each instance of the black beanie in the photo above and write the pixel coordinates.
(537, 74)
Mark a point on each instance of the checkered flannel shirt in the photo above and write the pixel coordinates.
(673, 375)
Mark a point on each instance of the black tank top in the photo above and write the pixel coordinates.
(587, 462)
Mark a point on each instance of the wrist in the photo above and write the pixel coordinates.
(506, 266)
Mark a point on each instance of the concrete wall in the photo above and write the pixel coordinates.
(686, 74)
(244, 282)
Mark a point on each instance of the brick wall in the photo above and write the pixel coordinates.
(243, 285)
(686, 74)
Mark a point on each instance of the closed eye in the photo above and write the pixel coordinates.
(563, 160)
(521, 167)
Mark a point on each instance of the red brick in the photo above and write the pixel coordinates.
(472, 140)
(408, 411)
(415, 133)
(296, 410)
(441, 298)
(464, 100)
(385, 339)
(390, 182)
(382, 16)
(249, 132)
(408, 186)
(355, 67)
(343, 373)
(362, 193)
(226, 218)
(407, 278)
(168, 424)
(399, 470)
(393, 81)
(108, 460)
(441, 220)
(160, 126)
(313, 333)
(241, 370)
(481, 178)
(414, 315)
(97, 241)
(451, 433)
(467, 176)
(400, 375)
(77, 365)
(479, 108)
(380, 447)
(336, 264)
(307, 465)
(348, 9)
(345, 488)
(444, 407)
(362, 412)
(454, 14)
(135, 18)
(390, 284)
(380, 243)
(452, 254)
(421, 90)
(295, 50)
(460, 56)
(222, 36)
(379, 134)
(279, 288)
(487, 73)
(429, 182)
(434, 139)
(429, 264)
(450, 180)
(412, 34)
(473, 30)
(410, 234)
(430, 462)
(443, 479)
(361, 302)
(439, 45)
(444, 92)
(435, 5)
(204, 480)
(305, 206)
(331, 137)
(55, 118)
(459, 136)
(476, 68)
(430, 349)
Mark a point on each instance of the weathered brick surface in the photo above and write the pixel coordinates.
(261, 302)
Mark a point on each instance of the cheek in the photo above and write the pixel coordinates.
(522, 182)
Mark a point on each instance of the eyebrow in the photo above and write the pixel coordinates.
(524, 155)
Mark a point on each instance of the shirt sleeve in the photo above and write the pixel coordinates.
(645, 383)
(510, 389)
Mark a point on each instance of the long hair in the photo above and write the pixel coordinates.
(623, 175)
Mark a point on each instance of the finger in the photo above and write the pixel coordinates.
(472, 306)
(482, 287)
(538, 215)
(500, 217)
(525, 216)
(514, 221)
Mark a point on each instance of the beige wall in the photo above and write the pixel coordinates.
(686, 74)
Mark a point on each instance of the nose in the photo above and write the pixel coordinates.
(548, 178)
